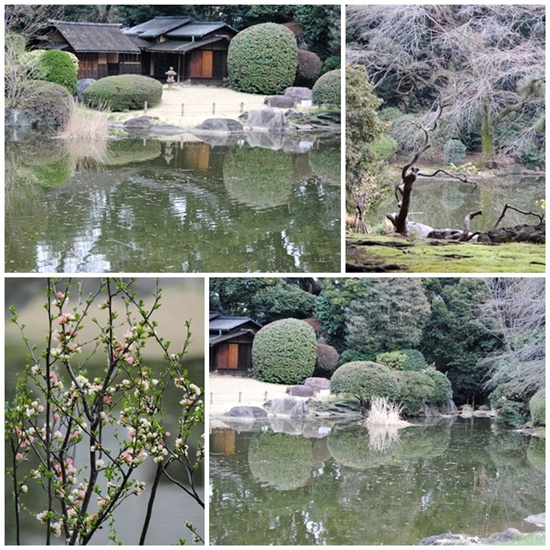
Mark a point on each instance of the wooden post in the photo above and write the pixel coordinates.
(213, 108)
(242, 106)
(182, 109)
(145, 107)
(240, 395)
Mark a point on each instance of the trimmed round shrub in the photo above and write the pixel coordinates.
(454, 151)
(365, 380)
(262, 59)
(429, 387)
(309, 68)
(123, 92)
(442, 389)
(331, 64)
(327, 360)
(327, 89)
(537, 407)
(49, 105)
(58, 67)
(284, 352)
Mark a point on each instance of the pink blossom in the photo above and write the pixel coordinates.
(19, 456)
(128, 335)
(60, 295)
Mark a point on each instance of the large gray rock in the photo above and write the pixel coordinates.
(317, 383)
(449, 539)
(300, 391)
(82, 85)
(279, 101)
(537, 519)
(292, 407)
(138, 123)
(268, 120)
(504, 536)
(299, 93)
(245, 412)
(221, 125)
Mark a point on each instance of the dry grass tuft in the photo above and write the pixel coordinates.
(85, 124)
(385, 413)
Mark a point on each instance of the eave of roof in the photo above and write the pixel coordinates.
(95, 37)
(218, 338)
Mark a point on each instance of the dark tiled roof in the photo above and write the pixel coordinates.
(95, 37)
(198, 29)
(157, 26)
(226, 324)
(181, 46)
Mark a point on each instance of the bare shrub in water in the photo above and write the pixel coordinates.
(85, 125)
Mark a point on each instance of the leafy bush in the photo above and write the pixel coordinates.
(512, 408)
(123, 92)
(331, 64)
(428, 386)
(262, 59)
(414, 360)
(405, 359)
(58, 67)
(454, 151)
(385, 147)
(442, 389)
(365, 380)
(284, 352)
(537, 407)
(309, 68)
(389, 113)
(327, 90)
(352, 355)
(394, 360)
(48, 104)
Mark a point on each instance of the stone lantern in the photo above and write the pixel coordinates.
(170, 76)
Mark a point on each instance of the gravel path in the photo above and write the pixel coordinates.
(227, 391)
(199, 102)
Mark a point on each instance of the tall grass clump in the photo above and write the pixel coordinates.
(385, 413)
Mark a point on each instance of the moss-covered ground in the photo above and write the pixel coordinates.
(398, 254)
(528, 539)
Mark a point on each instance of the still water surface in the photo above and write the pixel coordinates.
(145, 205)
(354, 487)
(443, 203)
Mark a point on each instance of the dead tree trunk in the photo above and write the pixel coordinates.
(409, 176)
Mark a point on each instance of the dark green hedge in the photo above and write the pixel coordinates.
(58, 67)
(284, 352)
(365, 380)
(262, 59)
(327, 90)
(124, 92)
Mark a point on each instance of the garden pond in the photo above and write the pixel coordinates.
(443, 203)
(265, 204)
(341, 484)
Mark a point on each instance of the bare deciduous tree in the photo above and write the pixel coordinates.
(515, 313)
(489, 59)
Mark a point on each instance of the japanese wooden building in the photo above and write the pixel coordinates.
(102, 49)
(196, 50)
(231, 343)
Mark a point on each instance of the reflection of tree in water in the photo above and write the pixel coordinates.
(259, 178)
(325, 163)
(281, 461)
(354, 448)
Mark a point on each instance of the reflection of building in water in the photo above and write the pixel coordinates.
(197, 155)
(223, 441)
